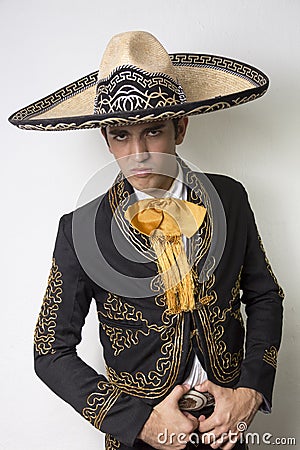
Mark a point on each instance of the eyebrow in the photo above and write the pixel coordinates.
(116, 131)
(119, 130)
(156, 127)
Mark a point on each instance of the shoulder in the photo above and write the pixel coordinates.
(221, 182)
(82, 215)
(227, 190)
(226, 187)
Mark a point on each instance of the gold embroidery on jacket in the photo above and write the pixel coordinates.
(125, 335)
(119, 199)
(224, 364)
(156, 382)
(111, 443)
(195, 332)
(100, 402)
(270, 356)
(199, 244)
(235, 292)
(44, 335)
(280, 290)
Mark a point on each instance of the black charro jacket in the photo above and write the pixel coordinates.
(147, 351)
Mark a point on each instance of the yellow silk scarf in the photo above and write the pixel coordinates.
(165, 220)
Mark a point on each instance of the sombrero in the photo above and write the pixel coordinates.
(138, 82)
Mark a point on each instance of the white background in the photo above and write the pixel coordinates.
(45, 45)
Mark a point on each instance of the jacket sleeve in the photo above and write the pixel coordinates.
(58, 332)
(263, 297)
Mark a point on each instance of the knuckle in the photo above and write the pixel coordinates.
(178, 388)
(218, 422)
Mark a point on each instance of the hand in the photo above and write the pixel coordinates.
(168, 428)
(232, 406)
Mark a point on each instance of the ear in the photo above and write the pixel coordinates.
(182, 127)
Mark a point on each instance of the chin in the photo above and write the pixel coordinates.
(142, 186)
(150, 182)
(140, 182)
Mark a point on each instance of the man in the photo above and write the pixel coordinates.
(164, 253)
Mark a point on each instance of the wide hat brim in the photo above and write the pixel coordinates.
(210, 82)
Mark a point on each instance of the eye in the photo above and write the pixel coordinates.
(154, 132)
(120, 137)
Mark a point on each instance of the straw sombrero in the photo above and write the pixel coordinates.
(138, 82)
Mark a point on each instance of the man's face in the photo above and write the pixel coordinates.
(146, 152)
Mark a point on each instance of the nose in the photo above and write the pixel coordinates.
(139, 150)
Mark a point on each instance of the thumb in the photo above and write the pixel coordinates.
(207, 386)
(190, 416)
(178, 391)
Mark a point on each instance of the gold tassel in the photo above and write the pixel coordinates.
(175, 271)
(165, 220)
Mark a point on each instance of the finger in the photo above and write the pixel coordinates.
(208, 438)
(228, 446)
(207, 425)
(216, 444)
(178, 392)
(189, 415)
(207, 386)
(220, 442)
(215, 438)
(200, 420)
(193, 419)
(231, 441)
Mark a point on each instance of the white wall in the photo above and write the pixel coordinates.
(45, 45)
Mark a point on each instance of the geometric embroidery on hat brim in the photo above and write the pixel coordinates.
(210, 83)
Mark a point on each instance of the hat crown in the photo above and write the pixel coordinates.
(136, 48)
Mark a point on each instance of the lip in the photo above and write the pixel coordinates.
(141, 171)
